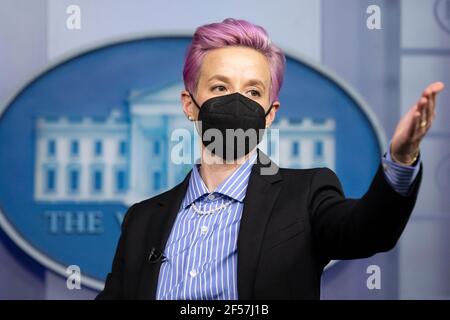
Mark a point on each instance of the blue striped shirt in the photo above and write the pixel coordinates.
(201, 252)
(399, 176)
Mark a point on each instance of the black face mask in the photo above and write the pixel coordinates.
(245, 117)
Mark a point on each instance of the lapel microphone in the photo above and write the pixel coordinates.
(156, 256)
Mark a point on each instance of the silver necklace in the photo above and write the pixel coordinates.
(205, 212)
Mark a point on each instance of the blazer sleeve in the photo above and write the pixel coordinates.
(113, 289)
(346, 228)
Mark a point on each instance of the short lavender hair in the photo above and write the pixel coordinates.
(232, 32)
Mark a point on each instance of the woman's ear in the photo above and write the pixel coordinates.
(188, 105)
(271, 115)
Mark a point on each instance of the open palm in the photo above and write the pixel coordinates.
(415, 124)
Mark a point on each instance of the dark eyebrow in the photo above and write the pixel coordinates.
(226, 79)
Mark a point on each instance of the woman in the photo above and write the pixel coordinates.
(238, 227)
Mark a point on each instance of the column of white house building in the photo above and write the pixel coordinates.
(82, 160)
(305, 143)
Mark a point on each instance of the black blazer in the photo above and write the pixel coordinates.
(293, 223)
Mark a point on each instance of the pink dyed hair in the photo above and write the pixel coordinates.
(232, 32)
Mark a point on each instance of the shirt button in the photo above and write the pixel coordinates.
(204, 229)
(211, 196)
(193, 273)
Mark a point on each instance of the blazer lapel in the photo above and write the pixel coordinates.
(159, 229)
(262, 191)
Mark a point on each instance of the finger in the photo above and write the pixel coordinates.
(431, 92)
(437, 87)
(428, 108)
(426, 93)
(416, 117)
(421, 115)
(429, 111)
(433, 88)
(433, 105)
(416, 131)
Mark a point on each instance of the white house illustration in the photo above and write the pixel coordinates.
(129, 157)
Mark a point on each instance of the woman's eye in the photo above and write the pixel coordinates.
(255, 93)
(219, 88)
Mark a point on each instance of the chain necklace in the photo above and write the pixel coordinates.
(205, 212)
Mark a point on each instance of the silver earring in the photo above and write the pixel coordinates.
(190, 118)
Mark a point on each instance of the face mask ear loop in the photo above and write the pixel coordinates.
(195, 102)
(268, 110)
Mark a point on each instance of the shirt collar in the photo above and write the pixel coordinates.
(234, 186)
